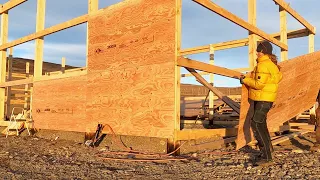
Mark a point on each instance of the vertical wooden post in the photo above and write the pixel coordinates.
(26, 87)
(3, 60)
(173, 143)
(9, 78)
(93, 5)
(283, 32)
(311, 50)
(63, 65)
(38, 59)
(252, 14)
(211, 103)
(311, 43)
(31, 92)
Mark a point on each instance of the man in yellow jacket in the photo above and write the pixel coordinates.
(263, 86)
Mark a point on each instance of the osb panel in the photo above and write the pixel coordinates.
(60, 104)
(297, 92)
(131, 68)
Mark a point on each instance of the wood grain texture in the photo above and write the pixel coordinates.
(135, 101)
(132, 33)
(130, 80)
(297, 92)
(60, 104)
(131, 68)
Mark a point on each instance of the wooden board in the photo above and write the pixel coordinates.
(131, 68)
(134, 101)
(130, 79)
(60, 104)
(297, 92)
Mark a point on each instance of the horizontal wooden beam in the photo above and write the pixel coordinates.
(188, 134)
(291, 34)
(213, 144)
(10, 4)
(231, 122)
(67, 71)
(296, 15)
(185, 62)
(217, 47)
(288, 137)
(235, 19)
(45, 32)
(42, 78)
(192, 98)
(206, 73)
(241, 42)
(16, 82)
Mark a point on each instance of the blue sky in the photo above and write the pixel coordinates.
(199, 27)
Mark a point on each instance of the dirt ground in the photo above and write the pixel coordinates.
(32, 157)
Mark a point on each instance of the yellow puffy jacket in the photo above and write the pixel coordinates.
(263, 83)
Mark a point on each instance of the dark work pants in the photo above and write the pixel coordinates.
(318, 125)
(259, 126)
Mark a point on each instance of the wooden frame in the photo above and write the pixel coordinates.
(226, 14)
(38, 36)
(254, 35)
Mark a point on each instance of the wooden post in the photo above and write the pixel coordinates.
(9, 78)
(38, 60)
(174, 143)
(3, 61)
(252, 14)
(211, 103)
(31, 92)
(311, 50)
(93, 5)
(311, 43)
(26, 87)
(63, 65)
(283, 32)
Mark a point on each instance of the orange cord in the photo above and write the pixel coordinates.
(128, 151)
(146, 160)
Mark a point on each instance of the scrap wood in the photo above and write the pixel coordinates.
(303, 127)
(214, 143)
(288, 137)
(12, 127)
(145, 160)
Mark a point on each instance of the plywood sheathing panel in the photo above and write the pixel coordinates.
(135, 101)
(131, 68)
(61, 104)
(137, 33)
(297, 92)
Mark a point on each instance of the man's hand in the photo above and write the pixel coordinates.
(241, 78)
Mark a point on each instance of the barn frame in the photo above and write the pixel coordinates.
(149, 65)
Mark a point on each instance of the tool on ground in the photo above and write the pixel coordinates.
(95, 141)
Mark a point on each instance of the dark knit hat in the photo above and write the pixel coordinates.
(265, 47)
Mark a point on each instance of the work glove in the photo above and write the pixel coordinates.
(241, 79)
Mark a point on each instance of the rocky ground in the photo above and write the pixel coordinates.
(32, 157)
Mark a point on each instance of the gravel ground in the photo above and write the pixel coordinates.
(36, 158)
